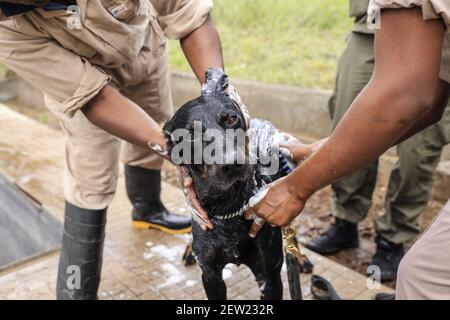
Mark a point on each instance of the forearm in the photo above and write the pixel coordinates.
(119, 116)
(358, 140)
(203, 49)
(403, 95)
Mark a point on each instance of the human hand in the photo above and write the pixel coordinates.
(216, 80)
(276, 204)
(197, 213)
(297, 151)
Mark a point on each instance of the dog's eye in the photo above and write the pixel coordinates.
(232, 120)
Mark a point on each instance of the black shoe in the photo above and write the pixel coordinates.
(385, 296)
(387, 258)
(342, 235)
(80, 262)
(144, 190)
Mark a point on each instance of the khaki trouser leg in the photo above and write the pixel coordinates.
(424, 272)
(154, 96)
(91, 167)
(411, 182)
(352, 195)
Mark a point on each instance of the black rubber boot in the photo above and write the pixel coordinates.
(80, 262)
(342, 235)
(144, 191)
(387, 258)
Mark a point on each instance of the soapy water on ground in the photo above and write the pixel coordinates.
(171, 254)
(172, 274)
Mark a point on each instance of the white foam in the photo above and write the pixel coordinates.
(174, 275)
(169, 253)
(190, 283)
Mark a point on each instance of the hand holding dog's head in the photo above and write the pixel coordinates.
(217, 82)
(211, 118)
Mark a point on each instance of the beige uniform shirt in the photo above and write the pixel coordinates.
(431, 9)
(71, 57)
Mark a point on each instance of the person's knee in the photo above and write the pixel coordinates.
(90, 191)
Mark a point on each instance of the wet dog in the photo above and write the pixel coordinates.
(223, 191)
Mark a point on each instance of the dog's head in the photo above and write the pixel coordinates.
(207, 136)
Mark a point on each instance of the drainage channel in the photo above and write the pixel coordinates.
(27, 230)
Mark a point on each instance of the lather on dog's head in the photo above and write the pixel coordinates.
(213, 110)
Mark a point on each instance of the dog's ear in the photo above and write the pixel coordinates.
(216, 82)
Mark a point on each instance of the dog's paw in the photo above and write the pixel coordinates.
(188, 256)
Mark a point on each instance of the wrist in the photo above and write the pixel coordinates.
(318, 144)
(297, 187)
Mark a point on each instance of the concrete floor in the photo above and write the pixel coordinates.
(138, 264)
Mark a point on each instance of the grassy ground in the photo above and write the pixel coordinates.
(295, 42)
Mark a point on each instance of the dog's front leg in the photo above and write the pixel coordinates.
(213, 283)
(271, 286)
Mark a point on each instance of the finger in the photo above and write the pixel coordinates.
(197, 218)
(258, 197)
(249, 214)
(286, 135)
(194, 205)
(183, 174)
(201, 213)
(194, 202)
(159, 149)
(255, 228)
(286, 152)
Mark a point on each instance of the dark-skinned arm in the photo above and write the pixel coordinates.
(121, 117)
(404, 95)
(203, 49)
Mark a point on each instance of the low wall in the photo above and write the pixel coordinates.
(291, 109)
(301, 111)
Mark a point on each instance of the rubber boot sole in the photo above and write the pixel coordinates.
(140, 225)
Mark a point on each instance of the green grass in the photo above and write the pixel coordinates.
(295, 42)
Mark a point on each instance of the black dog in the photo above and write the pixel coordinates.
(223, 190)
